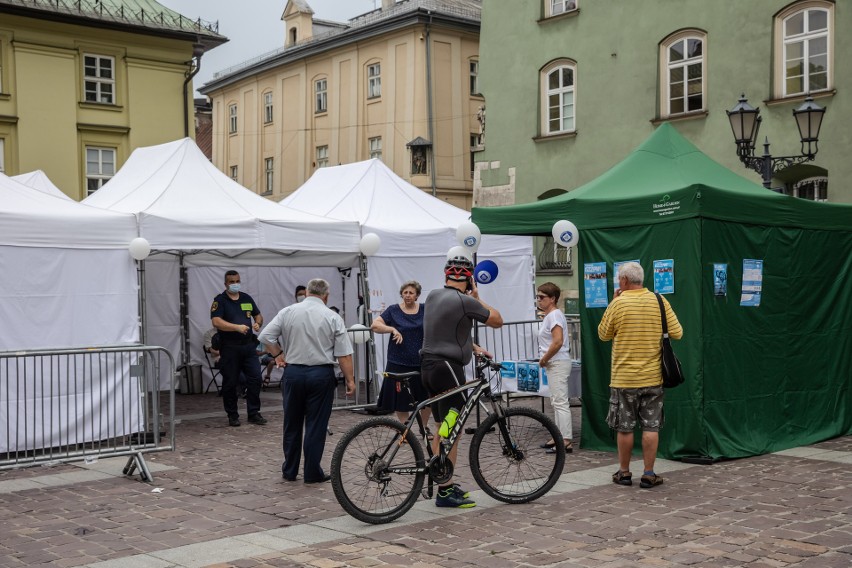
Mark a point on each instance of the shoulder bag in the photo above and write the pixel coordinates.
(670, 365)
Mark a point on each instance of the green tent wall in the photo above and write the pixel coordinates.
(759, 379)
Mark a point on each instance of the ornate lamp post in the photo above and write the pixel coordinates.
(745, 124)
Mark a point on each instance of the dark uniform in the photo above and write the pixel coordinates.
(238, 353)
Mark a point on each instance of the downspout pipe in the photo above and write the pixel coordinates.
(194, 68)
(430, 115)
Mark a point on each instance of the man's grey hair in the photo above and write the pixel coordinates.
(318, 287)
(633, 272)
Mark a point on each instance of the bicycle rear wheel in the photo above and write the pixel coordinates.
(521, 471)
(369, 484)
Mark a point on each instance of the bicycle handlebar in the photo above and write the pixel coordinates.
(484, 362)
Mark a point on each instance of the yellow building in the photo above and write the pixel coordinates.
(84, 82)
(398, 83)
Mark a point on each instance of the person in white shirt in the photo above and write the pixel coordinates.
(555, 359)
(305, 338)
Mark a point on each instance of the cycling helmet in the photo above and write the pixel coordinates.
(458, 268)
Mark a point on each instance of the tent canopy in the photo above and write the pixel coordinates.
(753, 383)
(32, 218)
(37, 179)
(183, 203)
(665, 179)
(371, 194)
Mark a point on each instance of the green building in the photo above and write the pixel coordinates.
(573, 86)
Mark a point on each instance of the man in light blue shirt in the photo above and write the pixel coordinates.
(305, 338)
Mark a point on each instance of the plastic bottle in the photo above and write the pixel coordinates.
(448, 423)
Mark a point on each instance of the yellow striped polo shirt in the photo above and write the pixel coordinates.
(632, 322)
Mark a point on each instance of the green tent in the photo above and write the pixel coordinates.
(759, 378)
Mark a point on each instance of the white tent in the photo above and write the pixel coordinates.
(416, 231)
(66, 277)
(191, 212)
(37, 179)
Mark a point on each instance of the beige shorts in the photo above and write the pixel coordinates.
(628, 406)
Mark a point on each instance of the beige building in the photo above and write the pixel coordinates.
(84, 82)
(398, 83)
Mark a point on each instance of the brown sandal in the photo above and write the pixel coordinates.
(622, 477)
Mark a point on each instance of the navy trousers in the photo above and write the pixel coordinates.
(236, 359)
(308, 393)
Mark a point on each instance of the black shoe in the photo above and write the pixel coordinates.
(285, 478)
(233, 421)
(257, 419)
(323, 479)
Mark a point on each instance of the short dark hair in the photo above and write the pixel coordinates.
(231, 273)
(550, 289)
(300, 288)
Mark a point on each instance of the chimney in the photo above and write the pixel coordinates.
(388, 4)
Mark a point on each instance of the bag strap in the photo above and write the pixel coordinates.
(663, 315)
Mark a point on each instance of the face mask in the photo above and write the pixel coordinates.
(233, 288)
(300, 299)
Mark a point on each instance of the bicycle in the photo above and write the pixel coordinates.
(378, 468)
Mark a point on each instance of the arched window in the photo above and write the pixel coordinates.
(682, 72)
(558, 87)
(804, 44)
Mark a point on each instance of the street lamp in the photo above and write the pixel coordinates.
(745, 124)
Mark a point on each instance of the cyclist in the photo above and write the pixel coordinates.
(447, 348)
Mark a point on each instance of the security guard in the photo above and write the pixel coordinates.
(237, 317)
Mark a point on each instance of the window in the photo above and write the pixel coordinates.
(321, 90)
(806, 49)
(683, 57)
(374, 80)
(267, 107)
(558, 98)
(232, 119)
(270, 175)
(376, 147)
(561, 6)
(474, 77)
(234, 173)
(99, 79)
(474, 148)
(2, 155)
(814, 188)
(100, 167)
(322, 156)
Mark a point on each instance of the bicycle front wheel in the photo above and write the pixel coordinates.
(518, 471)
(376, 475)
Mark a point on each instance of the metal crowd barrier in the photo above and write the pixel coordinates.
(65, 405)
(518, 340)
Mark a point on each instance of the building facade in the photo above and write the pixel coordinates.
(573, 86)
(84, 82)
(399, 83)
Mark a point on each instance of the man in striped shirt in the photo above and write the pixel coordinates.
(632, 322)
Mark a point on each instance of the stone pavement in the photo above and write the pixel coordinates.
(219, 500)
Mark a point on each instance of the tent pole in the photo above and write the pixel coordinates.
(368, 321)
(143, 321)
(184, 315)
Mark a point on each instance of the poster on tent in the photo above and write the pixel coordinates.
(594, 284)
(664, 276)
(752, 282)
(615, 267)
(720, 279)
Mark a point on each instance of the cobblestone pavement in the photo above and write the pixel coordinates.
(220, 501)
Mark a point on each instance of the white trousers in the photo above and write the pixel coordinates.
(557, 378)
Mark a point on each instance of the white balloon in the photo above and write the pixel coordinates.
(139, 248)
(459, 250)
(468, 235)
(359, 333)
(370, 244)
(565, 233)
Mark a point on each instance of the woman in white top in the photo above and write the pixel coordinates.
(556, 360)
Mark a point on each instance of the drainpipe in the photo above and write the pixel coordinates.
(194, 68)
(430, 116)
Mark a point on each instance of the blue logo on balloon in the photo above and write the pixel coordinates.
(566, 237)
(486, 272)
(470, 241)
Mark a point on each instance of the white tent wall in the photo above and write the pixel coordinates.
(162, 309)
(55, 297)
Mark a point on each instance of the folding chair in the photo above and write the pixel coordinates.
(214, 372)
